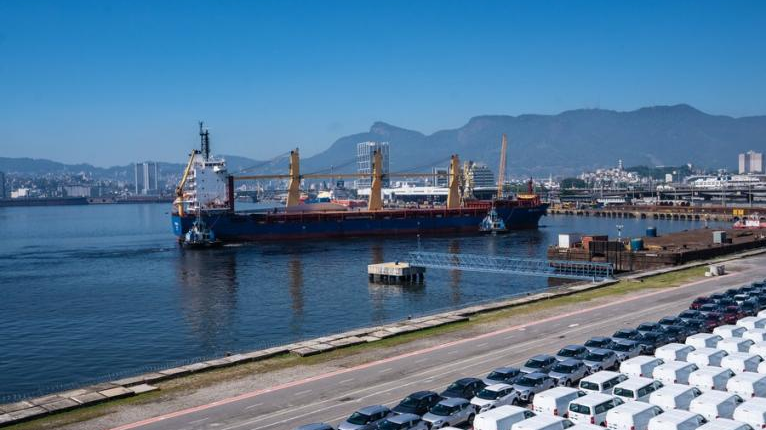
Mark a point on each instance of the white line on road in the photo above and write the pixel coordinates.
(253, 406)
(455, 351)
(346, 381)
(385, 370)
(199, 421)
(299, 393)
(573, 325)
(481, 345)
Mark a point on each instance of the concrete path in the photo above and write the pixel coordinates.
(333, 396)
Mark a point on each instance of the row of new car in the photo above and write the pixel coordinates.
(484, 402)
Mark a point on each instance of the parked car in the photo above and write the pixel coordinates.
(626, 333)
(417, 403)
(504, 375)
(709, 308)
(648, 326)
(715, 404)
(690, 314)
(495, 395)
(556, 400)
(631, 416)
(732, 314)
(568, 372)
(465, 388)
(450, 412)
(532, 383)
(638, 389)
(316, 426)
(699, 301)
(501, 418)
(543, 422)
(677, 332)
(650, 340)
(626, 349)
(592, 408)
(674, 396)
(712, 320)
(539, 363)
(403, 422)
(676, 420)
(367, 416)
(600, 359)
(571, 351)
(703, 340)
(673, 351)
(599, 343)
(601, 382)
(641, 366)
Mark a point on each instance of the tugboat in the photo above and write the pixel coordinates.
(200, 236)
(492, 223)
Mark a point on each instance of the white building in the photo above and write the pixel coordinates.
(751, 162)
(20, 193)
(77, 191)
(146, 178)
(364, 159)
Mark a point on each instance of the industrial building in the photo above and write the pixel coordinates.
(751, 162)
(146, 178)
(364, 157)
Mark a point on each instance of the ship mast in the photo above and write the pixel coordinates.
(204, 136)
(501, 169)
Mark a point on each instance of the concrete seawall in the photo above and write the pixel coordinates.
(93, 394)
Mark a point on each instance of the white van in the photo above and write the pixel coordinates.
(640, 366)
(636, 389)
(592, 408)
(703, 340)
(676, 420)
(742, 362)
(710, 378)
(601, 382)
(543, 422)
(725, 424)
(674, 372)
(758, 348)
(555, 400)
(747, 385)
(751, 323)
(755, 334)
(631, 416)
(762, 367)
(501, 418)
(581, 426)
(673, 351)
(715, 404)
(706, 356)
(728, 330)
(761, 314)
(735, 344)
(753, 412)
(674, 396)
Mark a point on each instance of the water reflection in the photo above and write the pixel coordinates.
(207, 281)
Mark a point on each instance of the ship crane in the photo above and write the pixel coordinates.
(501, 169)
(376, 189)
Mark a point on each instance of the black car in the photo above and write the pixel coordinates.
(418, 403)
(627, 333)
(690, 314)
(503, 375)
(571, 351)
(710, 307)
(727, 302)
(599, 343)
(665, 321)
(695, 325)
(717, 296)
(648, 326)
(465, 388)
(677, 333)
(750, 307)
(650, 340)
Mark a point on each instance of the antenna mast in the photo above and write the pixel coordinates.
(204, 136)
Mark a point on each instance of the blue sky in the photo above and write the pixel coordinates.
(111, 82)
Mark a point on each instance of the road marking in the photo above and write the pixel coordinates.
(199, 421)
(253, 406)
(573, 325)
(299, 393)
(346, 381)
(420, 360)
(385, 370)
(509, 337)
(481, 345)
(519, 327)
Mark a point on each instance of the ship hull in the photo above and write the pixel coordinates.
(262, 226)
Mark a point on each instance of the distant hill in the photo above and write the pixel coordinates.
(562, 144)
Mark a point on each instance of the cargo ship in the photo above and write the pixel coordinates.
(206, 193)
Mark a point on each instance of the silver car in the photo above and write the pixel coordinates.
(600, 359)
(402, 422)
(495, 395)
(450, 412)
(530, 384)
(571, 351)
(539, 363)
(503, 375)
(566, 373)
(626, 349)
(368, 416)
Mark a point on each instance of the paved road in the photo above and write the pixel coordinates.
(332, 397)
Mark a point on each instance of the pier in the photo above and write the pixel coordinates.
(673, 213)
(395, 272)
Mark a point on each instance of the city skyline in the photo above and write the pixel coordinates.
(115, 82)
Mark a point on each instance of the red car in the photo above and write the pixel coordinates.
(732, 314)
(713, 320)
(699, 301)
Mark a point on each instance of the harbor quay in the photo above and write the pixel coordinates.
(743, 267)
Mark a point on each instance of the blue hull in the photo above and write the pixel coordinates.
(243, 226)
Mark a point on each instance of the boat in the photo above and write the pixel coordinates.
(199, 236)
(750, 222)
(206, 193)
(493, 223)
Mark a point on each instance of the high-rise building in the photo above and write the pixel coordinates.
(146, 178)
(751, 162)
(475, 176)
(364, 159)
(441, 176)
(3, 192)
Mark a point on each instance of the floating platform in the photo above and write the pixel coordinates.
(398, 272)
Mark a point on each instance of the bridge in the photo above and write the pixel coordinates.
(580, 270)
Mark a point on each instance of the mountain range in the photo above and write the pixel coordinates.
(562, 144)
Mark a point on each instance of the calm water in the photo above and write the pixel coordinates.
(90, 292)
